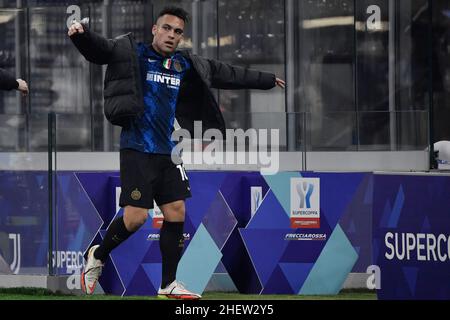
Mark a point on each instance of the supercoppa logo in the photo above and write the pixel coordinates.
(305, 203)
(305, 191)
(421, 247)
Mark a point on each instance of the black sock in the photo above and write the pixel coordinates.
(171, 243)
(115, 235)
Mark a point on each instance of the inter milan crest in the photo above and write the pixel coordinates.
(136, 194)
(177, 66)
(168, 63)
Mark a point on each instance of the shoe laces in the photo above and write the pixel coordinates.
(180, 284)
(94, 271)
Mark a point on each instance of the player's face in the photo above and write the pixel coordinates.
(167, 34)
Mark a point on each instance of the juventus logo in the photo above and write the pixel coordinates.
(256, 199)
(15, 265)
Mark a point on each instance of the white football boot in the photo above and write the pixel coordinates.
(91, 272)
(176, 290)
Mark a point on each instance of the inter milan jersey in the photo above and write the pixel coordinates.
(161, 77)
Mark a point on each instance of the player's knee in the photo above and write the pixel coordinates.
(180, 214)
(179, 208)
(137, 222)
(175, 216)
(141, 218)
(175, 212)
(135, 218)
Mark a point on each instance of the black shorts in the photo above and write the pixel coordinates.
(146, 177)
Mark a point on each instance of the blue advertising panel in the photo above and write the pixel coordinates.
(76, 221)
(23, 222)
(244, 220)
(411, 236)
(289, 233)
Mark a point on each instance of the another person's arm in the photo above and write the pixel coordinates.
(91, 45)
(9, 82)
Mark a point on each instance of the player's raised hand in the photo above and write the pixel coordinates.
(76, 27)
(280, 83)
(23, 86)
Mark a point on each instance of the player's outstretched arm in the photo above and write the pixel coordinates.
(226, 76)
(91, 45)
(7, 80)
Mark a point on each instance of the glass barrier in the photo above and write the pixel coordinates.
(367, 131)
(75, 218)
(347, 70)
(401, 138)
(25, 188)
(25, 198)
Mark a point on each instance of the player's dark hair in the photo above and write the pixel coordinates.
(175, 11)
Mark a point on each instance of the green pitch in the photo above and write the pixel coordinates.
(43, 294)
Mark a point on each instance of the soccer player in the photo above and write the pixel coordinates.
(9, 82)
(146, 87)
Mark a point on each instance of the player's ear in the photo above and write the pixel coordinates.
(154, 28)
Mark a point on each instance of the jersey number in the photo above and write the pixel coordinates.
(182, 172)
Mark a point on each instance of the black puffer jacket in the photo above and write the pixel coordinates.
(123, 84)
(7, 81)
